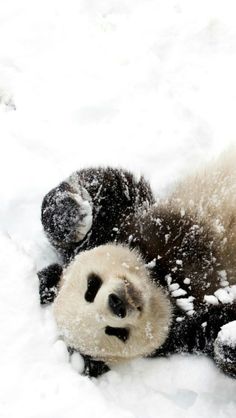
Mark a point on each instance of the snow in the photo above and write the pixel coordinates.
(178, 292)
(186, 304)
(87, 212)
(173, 286)
(227, 335)
(223, 295)
(146, 85)
(211, 299)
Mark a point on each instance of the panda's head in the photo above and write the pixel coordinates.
(109, 308)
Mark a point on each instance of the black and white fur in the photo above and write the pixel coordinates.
(142, 278)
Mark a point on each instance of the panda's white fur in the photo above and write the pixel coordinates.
(82, 324)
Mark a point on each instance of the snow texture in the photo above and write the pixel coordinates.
(223, 295)
(227, 335)
(147, 85)
(86, 212)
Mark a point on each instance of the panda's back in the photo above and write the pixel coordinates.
(189, 239)
(210, 197)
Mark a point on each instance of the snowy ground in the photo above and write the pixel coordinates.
(144, 84)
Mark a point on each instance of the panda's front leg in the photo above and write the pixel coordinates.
(225, 349)
(67, 215)
(92, 207)
(49, 278)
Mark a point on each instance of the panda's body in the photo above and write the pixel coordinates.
(143, 278)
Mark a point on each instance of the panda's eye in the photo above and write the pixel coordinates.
(121, 333)
(94, 284)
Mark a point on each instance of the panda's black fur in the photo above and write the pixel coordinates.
(179, 246)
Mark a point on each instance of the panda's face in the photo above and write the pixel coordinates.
(108, 307)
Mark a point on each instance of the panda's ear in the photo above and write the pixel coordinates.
(49, 279)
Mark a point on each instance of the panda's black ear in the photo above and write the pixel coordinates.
(49, 279)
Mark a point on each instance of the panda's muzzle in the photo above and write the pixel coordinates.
(126, 300)
(117, 305)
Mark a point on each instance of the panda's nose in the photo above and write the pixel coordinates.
(117, 305)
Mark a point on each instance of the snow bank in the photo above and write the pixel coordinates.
(147, 85)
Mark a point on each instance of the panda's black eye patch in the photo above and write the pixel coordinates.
(94, 284)
(121, 333)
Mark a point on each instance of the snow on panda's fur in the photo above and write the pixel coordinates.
(147, 313)
(143, 278)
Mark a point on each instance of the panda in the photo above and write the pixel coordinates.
(139, 276)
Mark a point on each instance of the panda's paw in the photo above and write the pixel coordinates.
(94, 368)
(67, 214)
(225, 349)
(49, 278)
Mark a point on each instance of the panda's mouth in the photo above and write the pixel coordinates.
(121, 333)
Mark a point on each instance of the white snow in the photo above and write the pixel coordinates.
(151, 264)
(211, 299)
(224, 296)
(186, 304)
(86, 210)
(77, 362)
(168, 279)
(148, 85)
(227, 334)
(173, 286)
(223, 278)
(178, 292)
